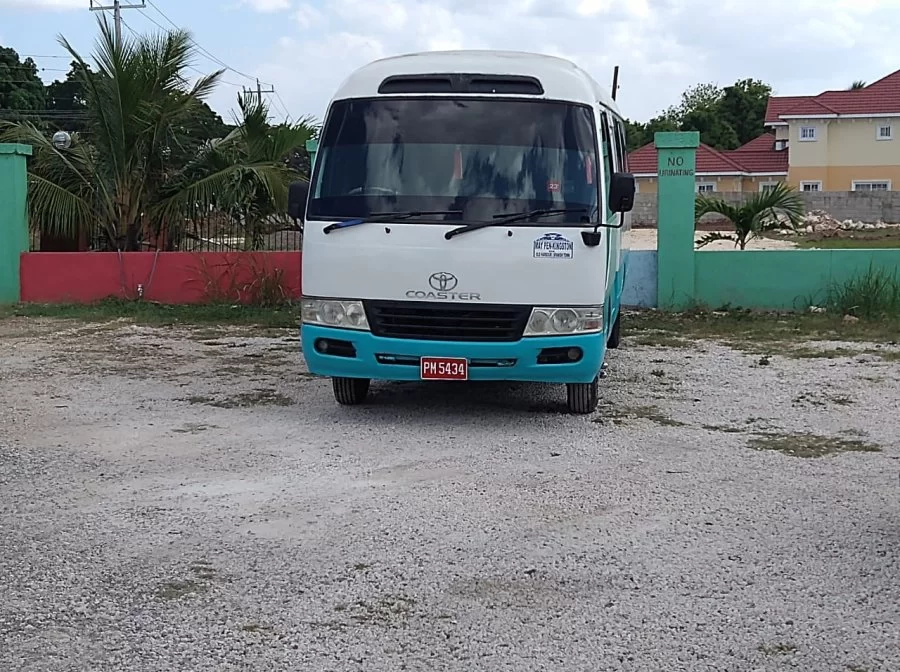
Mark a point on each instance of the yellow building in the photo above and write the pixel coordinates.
(841, 140)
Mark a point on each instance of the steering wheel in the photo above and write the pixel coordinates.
(377, 190)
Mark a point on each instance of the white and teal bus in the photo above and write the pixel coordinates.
(464, 221)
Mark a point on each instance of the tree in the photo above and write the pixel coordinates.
(858, 84)
(638, 134)
(21, 90)
(138, 97)
(743, 107)
(764, 211)
(726, 118)
(246, 174)
(697, 98)
(67, 100)
(715, 130)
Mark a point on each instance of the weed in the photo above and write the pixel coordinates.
(874, 294)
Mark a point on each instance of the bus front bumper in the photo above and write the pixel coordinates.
(359, 354)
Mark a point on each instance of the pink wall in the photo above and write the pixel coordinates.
(169, 277)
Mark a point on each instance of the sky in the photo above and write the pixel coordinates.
(305, 48)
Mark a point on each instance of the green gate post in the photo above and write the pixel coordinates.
(677, 158)
(312, 148)
(13, 218)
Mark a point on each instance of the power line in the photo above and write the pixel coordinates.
(213, 58)
(190, 67)
(219, 61)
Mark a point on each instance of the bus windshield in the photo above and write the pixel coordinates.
(467, 159)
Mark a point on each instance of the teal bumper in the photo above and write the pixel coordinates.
(379, 358)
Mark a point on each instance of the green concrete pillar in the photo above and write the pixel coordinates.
(677, 159)
(13, 217)
(312, 148)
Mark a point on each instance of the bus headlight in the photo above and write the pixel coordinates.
(565, 321)
(334, 313)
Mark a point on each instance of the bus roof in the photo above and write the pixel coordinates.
(561, 79)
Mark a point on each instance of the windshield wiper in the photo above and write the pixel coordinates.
(500, 220)
(386, 217)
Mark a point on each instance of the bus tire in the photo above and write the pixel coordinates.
(615, 334)
(582, 398)
(350, 391)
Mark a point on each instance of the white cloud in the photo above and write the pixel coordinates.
(662, 46)
(44, 4)
(268, 6)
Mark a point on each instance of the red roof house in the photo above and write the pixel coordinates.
(757, 157)
(878, 98)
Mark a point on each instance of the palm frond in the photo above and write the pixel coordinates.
(715, 236)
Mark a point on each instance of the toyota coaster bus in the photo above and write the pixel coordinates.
(464, 221)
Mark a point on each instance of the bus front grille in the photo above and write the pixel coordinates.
(447, 322)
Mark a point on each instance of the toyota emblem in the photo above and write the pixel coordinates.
(443, 282)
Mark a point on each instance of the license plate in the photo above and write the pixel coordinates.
(443, 368)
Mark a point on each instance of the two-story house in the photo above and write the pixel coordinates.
(841, 140)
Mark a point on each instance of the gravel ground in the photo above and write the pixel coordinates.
(178, 499)
(645, 239)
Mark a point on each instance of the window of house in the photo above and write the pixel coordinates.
(872, 185)
(767, 186)
(706, 187)
(885, 132)
(812, 185)
(807, 133)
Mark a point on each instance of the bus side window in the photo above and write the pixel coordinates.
(607, 149)
(622, 144)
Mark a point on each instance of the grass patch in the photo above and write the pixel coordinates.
(762, 332)
(778, 649)
(264, 397)
(144, 312)
(848, 243)
(619, 415)
(873, 295)
(809, 446)
(174, 590)
(384, 611)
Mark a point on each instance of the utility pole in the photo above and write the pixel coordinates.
(259, 91)
(116, 8)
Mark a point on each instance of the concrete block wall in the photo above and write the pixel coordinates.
(855, 205)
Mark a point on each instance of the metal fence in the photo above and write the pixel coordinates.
(209, 232)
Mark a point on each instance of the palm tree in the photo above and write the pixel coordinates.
(858, 84)
(136, 98)
(246, 174)
(764, 211)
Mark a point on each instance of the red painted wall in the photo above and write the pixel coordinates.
(166, 277)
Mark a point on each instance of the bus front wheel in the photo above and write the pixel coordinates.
(350, 391)
(582, 398)
(615, 334)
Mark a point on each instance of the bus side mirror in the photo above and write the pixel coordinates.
(621, 192)
(298, 193)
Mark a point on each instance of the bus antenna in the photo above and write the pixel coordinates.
(615, 86)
